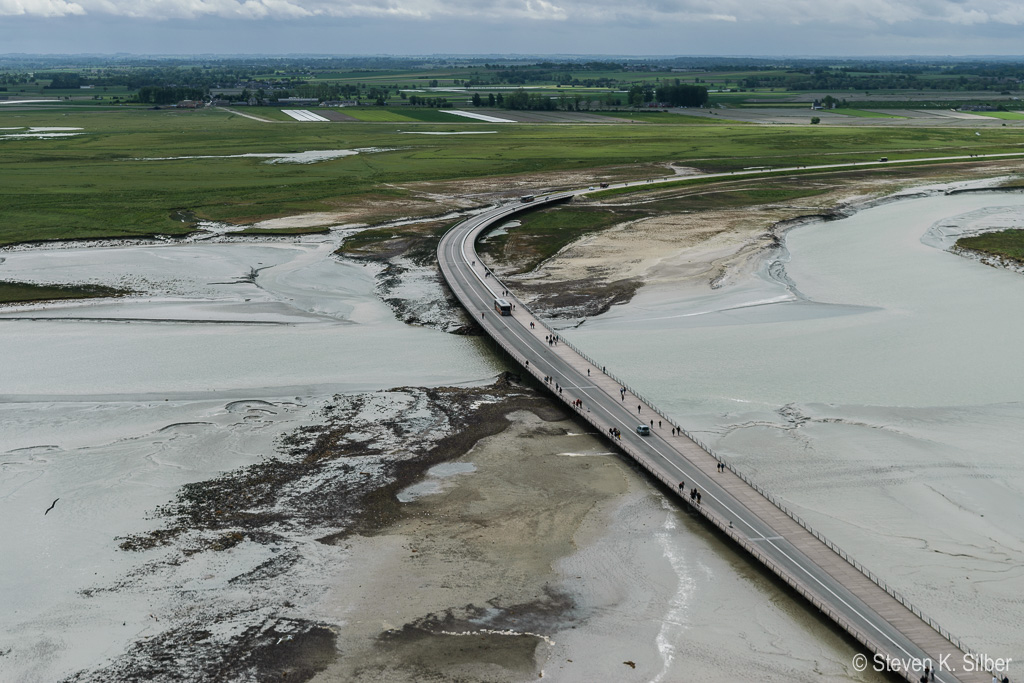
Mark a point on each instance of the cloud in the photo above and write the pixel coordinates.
(40, 8)
(849, 13)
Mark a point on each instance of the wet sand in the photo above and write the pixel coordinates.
(555, 558)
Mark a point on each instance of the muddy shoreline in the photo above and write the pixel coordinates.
(350, 468)
(709, 247)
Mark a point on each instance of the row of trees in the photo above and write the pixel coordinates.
(520, 99)
(438, 102)
(150, 94)
(842, 79)
(678, 95)
(682, 95)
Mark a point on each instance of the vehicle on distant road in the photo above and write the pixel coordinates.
(883, 158)
(643, 430)
(604, 184)
(526, 198)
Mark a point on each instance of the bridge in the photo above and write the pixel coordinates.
(893, 631)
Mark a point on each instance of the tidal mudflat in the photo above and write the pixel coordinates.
(207, 480)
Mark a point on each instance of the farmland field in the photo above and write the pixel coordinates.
(105, 183)
(379, 115)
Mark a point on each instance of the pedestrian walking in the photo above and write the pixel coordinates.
(638, 410)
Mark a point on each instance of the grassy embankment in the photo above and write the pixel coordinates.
(416, 241)
(24, 292)
(543, 233)
(1008, 244)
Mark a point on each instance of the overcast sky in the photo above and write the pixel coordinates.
(648, 27)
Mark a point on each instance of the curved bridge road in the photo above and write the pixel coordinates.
(891, 630)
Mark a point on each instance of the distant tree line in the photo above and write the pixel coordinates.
(436, 102)
(682, 95)
(520, 99)
(151, 94)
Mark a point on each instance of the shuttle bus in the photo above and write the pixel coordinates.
(502, 307)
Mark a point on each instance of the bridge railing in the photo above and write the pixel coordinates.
(726, 527)
(776, 502)
(768, 496)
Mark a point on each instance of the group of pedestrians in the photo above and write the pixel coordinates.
(578, 404)
(694, 493)
(614, 431)
(551, 339)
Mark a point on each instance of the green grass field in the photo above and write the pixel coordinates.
(96, 185)
(432, 115)
(1005, 115)
(861, 113)
(375, 114)
(1006, 243)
